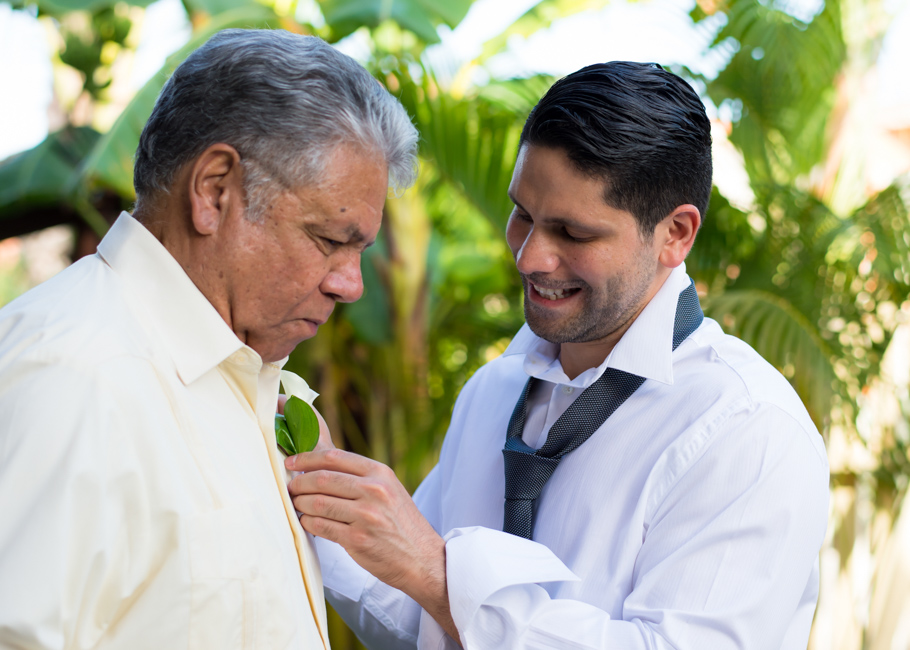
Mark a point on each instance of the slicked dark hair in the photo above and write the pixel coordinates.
(641, 129)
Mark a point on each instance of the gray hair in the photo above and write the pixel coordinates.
(285, 102)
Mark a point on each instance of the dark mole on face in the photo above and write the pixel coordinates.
(344, 209)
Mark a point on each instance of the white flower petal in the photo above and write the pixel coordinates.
(296, 386)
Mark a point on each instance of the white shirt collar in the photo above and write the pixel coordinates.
(645, 349)
(193, 331)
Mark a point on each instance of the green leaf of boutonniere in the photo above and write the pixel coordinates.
(298, 429)
(283, 435)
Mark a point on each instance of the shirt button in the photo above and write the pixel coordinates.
(568, 390)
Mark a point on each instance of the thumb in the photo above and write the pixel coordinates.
(325, 436)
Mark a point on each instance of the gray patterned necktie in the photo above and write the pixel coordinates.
(527, 470)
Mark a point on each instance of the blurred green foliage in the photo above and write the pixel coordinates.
(816, 288)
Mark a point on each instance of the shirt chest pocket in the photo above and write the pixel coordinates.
(223, 574)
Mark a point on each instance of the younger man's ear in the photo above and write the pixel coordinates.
(215, 187)
(676, 234)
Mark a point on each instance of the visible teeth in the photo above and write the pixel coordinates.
(550, 294)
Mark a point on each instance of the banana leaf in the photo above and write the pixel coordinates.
(35, 185)
(419, 16)
(110, 163)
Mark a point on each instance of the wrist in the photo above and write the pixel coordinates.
(426, 580)
(430, 586)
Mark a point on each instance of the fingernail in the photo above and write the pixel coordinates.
(289, 462)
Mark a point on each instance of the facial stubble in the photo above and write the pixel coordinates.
(602, 313)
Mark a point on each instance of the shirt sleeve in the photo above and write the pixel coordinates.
(72, 530)
(381, 616)
(728, 556)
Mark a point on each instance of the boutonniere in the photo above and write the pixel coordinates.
(298, 429)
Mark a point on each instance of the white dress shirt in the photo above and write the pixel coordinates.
(142, 503)
(692, 519)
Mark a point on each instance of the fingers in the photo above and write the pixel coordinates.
(326, 507)
(348, 536)
(332, 459)
(326, 528)
(336, 484)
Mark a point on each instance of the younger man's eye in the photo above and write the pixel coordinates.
(575, 238)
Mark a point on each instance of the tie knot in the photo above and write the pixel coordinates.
(526, 474)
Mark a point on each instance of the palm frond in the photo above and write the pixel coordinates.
(472, 144)
(540, 16)
(785, 108)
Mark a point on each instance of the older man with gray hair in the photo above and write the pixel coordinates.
(141, 490)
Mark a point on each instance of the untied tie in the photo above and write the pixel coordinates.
(527, 469)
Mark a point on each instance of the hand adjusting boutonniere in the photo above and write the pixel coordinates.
(298, 429)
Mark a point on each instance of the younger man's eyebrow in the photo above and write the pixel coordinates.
(560, 221)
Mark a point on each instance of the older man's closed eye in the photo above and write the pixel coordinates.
(142, 496)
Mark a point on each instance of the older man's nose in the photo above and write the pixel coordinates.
(344, 282)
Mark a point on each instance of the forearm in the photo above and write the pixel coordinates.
(426, 583)
(362, 506)
(381, 616)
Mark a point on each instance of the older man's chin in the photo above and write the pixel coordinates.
(271, 349)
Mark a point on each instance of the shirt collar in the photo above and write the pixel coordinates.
(645, 349)
(193, 331)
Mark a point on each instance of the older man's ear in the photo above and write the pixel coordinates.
(215, 187)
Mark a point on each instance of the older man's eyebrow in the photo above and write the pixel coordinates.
(356, 237)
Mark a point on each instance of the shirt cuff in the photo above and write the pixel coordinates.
(432, 636)
(481, 561)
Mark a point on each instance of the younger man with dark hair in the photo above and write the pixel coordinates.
(625, 475)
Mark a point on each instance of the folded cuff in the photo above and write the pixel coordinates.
(481, 561)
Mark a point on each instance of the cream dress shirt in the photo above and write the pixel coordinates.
(142, 503)
(691, 520)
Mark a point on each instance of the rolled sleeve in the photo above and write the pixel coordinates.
(496, 599)
(727, 555)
